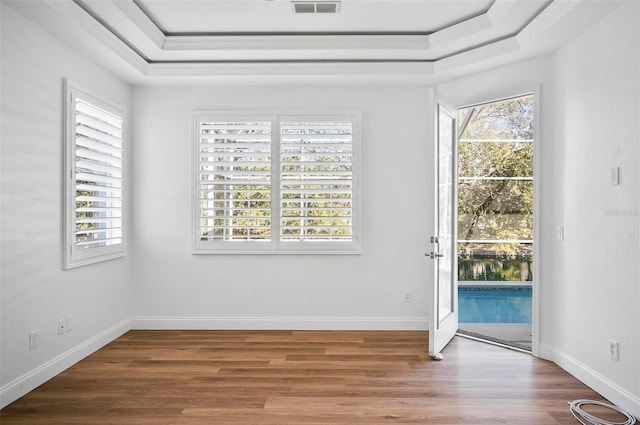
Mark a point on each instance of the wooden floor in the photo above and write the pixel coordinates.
(231, 377)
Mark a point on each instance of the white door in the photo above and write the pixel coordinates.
(444, 318)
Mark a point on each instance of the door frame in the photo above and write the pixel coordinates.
(495, 96)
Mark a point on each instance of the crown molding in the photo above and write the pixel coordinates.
(132, 26)
(78, 16)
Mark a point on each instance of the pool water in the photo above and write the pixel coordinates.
(494, 305)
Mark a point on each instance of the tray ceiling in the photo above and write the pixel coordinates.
(149, 41)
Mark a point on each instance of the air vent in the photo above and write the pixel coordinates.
(316, 6)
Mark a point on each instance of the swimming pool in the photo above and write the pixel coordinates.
(494, 304)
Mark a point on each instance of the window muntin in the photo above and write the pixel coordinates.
(276, 184)
(94, 185)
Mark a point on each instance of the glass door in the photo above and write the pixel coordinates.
(496, 210)
(444, 318)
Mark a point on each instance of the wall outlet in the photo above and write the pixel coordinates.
(34, 339)
(62, 326)
(613, 350)
(408, 296)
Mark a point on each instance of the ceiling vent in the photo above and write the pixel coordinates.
(316, 6)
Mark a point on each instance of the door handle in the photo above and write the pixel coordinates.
(434, 255)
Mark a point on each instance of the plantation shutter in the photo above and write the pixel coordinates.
(234, 180)
(270, 183)
(316, 180)
(95, 190)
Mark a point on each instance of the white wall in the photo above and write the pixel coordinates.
(589, 284)
(596, 126)
(173, 288)
(35, 291)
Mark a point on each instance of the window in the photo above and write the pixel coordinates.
(276, 184)
(94, 180)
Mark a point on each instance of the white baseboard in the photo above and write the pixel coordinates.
(29, 381)
(280, 323)
(600, 384)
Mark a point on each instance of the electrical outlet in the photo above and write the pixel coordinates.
(613, 350)
(408, 297)
(34, 339)
(62, 325)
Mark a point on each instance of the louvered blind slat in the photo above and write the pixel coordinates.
(99, 157)
(88, 143)
(113, 213)
(106, 221)
(99, 232)
(99, 124)
(94, 167)
(237, 140)
(87, 108)
(222, 127)
(111, 191)
(98, 242)
(100, 136)
(99, 180)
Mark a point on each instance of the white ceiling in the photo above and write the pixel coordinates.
(243, 41)
(276, 16)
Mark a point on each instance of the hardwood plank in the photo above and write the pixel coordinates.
(300, 378)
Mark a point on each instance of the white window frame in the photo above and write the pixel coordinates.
(73, 253)
(275, 245)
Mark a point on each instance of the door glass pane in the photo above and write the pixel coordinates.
(495, 188)
(445, 227)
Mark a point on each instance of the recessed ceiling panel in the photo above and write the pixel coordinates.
(265, 40)
(277, 16)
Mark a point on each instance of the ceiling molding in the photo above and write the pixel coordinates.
(507, 31)
(291, 73)
(142, 20)
(473, 58)
(71, 12)
(297, 42)
(133, 25)
(289, 69)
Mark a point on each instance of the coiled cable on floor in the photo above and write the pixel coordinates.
(582, 416)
